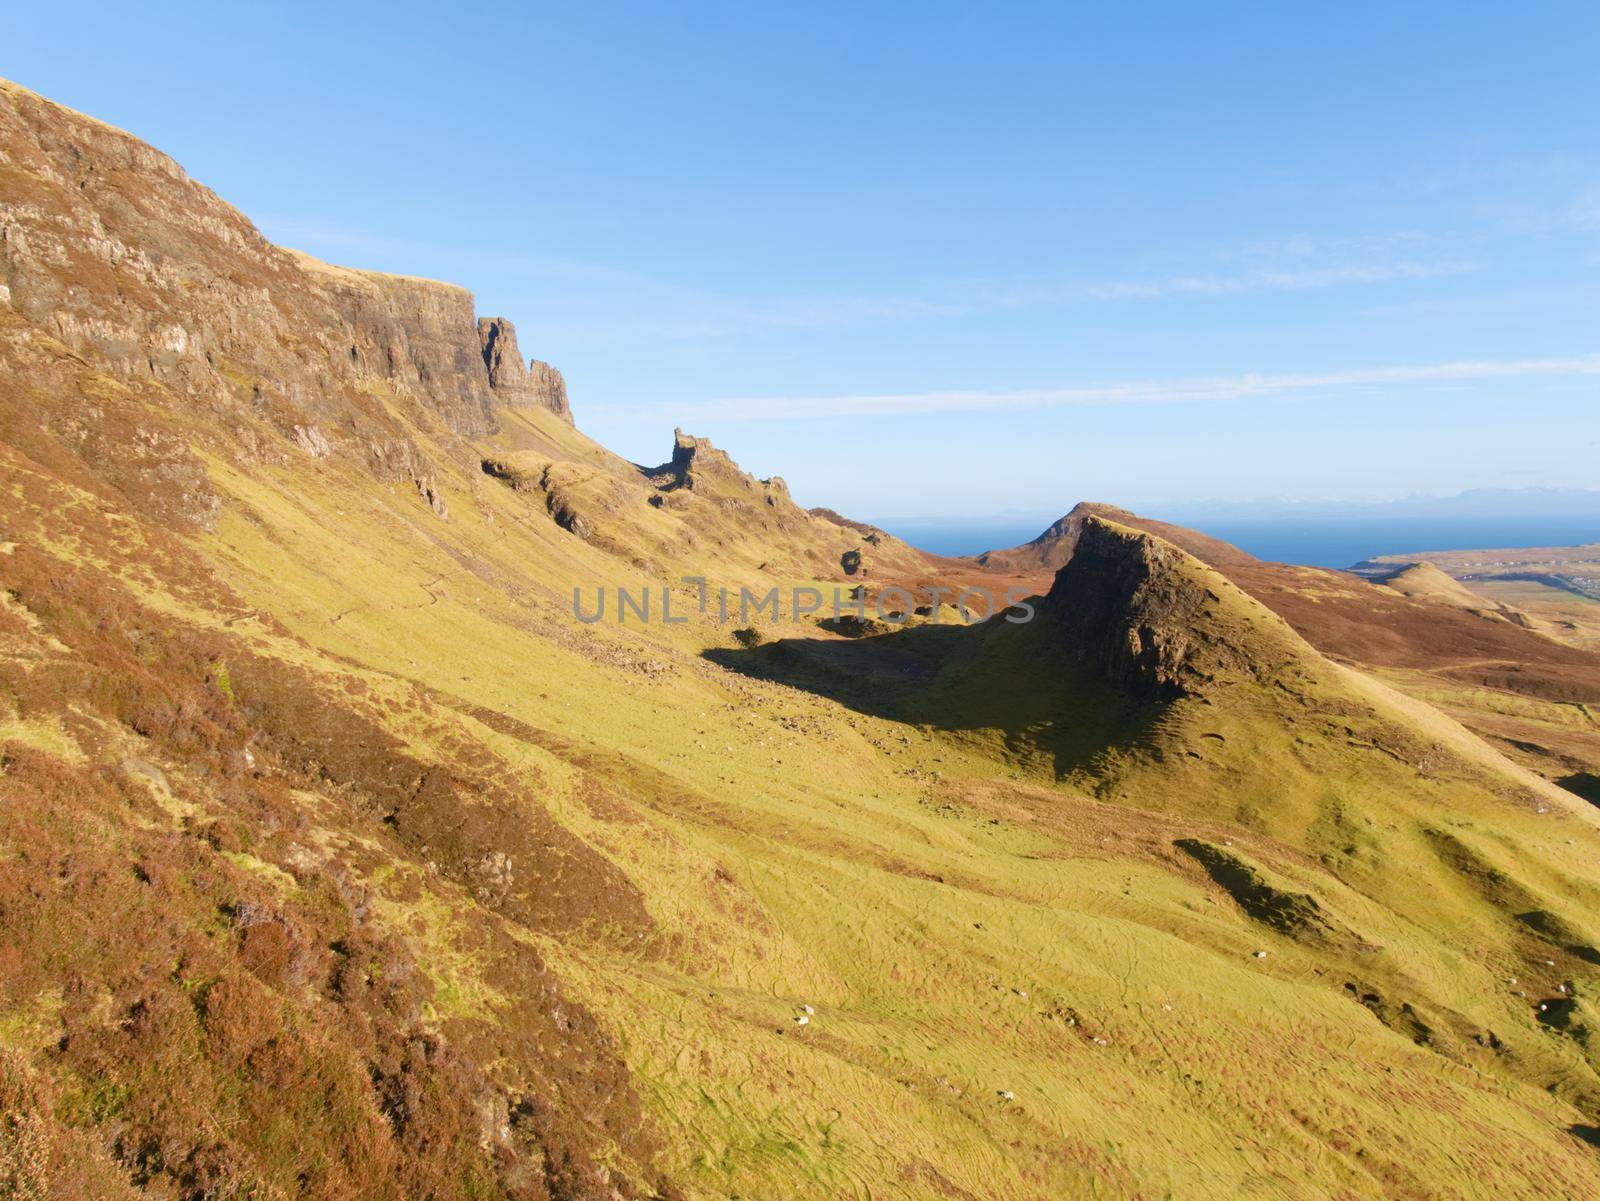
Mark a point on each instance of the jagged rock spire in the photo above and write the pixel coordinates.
(516, 383)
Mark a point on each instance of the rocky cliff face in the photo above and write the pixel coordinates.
(1158, 623)
(549, 389)
(109, 248)
(415, 335)
(514, 382)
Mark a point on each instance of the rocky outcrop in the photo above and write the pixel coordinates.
(726, 506)
(699, 466)
(549, 389)
(1159, 624)
(689, 454)
(514, 382)
(508, 375)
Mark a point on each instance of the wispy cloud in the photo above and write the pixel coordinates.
(1269, 280)
(1179, 391)
(960, 301)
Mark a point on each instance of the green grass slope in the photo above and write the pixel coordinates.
(338, 860)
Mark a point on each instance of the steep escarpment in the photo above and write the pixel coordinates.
(1492, 667)
(266, 932)
(107, 247)
(1156, 621)
(415, 336)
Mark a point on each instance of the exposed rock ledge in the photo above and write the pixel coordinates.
(513, 382)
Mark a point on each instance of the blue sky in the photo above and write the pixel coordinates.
(932, 260)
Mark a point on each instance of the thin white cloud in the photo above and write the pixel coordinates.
(1267, 280)
(694, 317)
(1219, 388)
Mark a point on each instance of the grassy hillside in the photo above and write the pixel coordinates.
(338, 860)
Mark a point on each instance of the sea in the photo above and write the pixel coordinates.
(1314, 542)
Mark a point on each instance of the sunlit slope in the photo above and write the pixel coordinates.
(338, 859)
(1424, 581)
(891, 876)
(1504, 674)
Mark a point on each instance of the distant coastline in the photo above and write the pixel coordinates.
(1321, 541)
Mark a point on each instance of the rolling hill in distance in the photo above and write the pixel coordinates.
(345, 852)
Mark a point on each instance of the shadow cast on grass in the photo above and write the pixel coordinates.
(1584, 785)
(994, 682)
